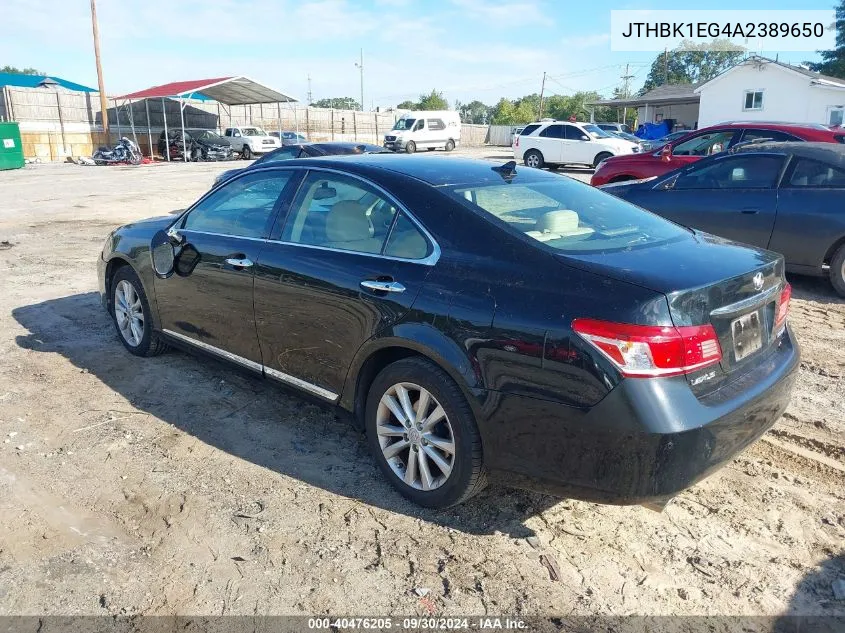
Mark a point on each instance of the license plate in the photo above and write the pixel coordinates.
(747, 335)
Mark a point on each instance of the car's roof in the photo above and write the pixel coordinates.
(434, 170)
(345, 145)
(825, 152)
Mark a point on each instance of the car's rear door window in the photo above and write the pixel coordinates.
(567, 215)
(339, 212)
(771, 135)
(529, 129)
(814, 173)
(749, 171)
(554, 131)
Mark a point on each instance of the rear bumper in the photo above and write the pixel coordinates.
(648, 440)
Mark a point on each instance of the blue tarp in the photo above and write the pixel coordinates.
(34, 81)
(652, 131)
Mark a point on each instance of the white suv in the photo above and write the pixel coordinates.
(556, 143)
(250, 140)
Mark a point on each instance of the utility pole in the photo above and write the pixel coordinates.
(626, 78)
(309, 89)
(542, 90)
(361, 68)
(104, 104)
(666, 65)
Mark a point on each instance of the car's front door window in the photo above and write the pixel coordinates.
(242, 208)
(705, 144)
(752, 171)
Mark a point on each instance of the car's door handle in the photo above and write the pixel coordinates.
(383, 286)
(751, 211)
(239, 263)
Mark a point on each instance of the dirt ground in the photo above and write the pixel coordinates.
(175, 485)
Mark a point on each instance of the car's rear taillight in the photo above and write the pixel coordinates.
(649, 350)
(783, 307)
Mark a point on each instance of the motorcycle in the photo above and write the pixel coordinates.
(124, 152)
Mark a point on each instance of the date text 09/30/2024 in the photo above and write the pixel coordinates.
(417, 623)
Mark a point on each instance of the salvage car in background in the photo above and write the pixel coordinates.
(307, 150)
(200, 145)
(706, 142)
(290, 138)
(787, 197)
(475, 319)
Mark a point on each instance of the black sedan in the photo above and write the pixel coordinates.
(787, 197)
(475, 319)
(199, 145)
(307, 150)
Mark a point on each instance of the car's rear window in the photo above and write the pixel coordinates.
(528, 129)
(569, 216)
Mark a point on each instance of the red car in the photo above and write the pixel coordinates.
(705, 142)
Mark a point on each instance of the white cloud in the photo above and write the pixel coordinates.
(489, 13)
(586, 41)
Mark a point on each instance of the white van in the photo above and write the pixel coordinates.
(425, 129)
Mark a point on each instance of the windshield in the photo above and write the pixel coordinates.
(595, 131)
(404, 124)
(569, 216)
(253, 131)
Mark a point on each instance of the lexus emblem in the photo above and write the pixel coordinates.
(758, 281)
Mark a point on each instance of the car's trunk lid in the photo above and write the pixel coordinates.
(706, 280)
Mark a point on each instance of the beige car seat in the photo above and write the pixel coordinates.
(348, 228)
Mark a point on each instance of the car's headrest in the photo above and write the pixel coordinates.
(561, 221)
(346, 222)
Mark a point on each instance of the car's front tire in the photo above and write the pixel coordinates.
(600, 157)
(837, 271)
(411, 147)
(131, 314)
(423, 435)
(533, 158)
(246, 153)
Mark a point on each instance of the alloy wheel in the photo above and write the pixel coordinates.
(129, 313)
(532, 160)
(415, 436)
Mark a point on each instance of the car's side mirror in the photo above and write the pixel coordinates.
(584, 137)
(163, 254)
(666, 153)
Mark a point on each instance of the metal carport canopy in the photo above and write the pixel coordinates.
(228, 90)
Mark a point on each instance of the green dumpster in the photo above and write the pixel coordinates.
(11, 149)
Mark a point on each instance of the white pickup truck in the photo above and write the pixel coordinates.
(250, 140)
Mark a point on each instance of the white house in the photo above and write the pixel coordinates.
(762, 89)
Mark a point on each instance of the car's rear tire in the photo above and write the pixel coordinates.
(450, 145)
(600, 157)
(837, 271)
(131, 314)
(433, 458)
(533, 158)
(411, 147)
(246, 153)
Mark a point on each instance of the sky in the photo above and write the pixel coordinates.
(468, 49)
